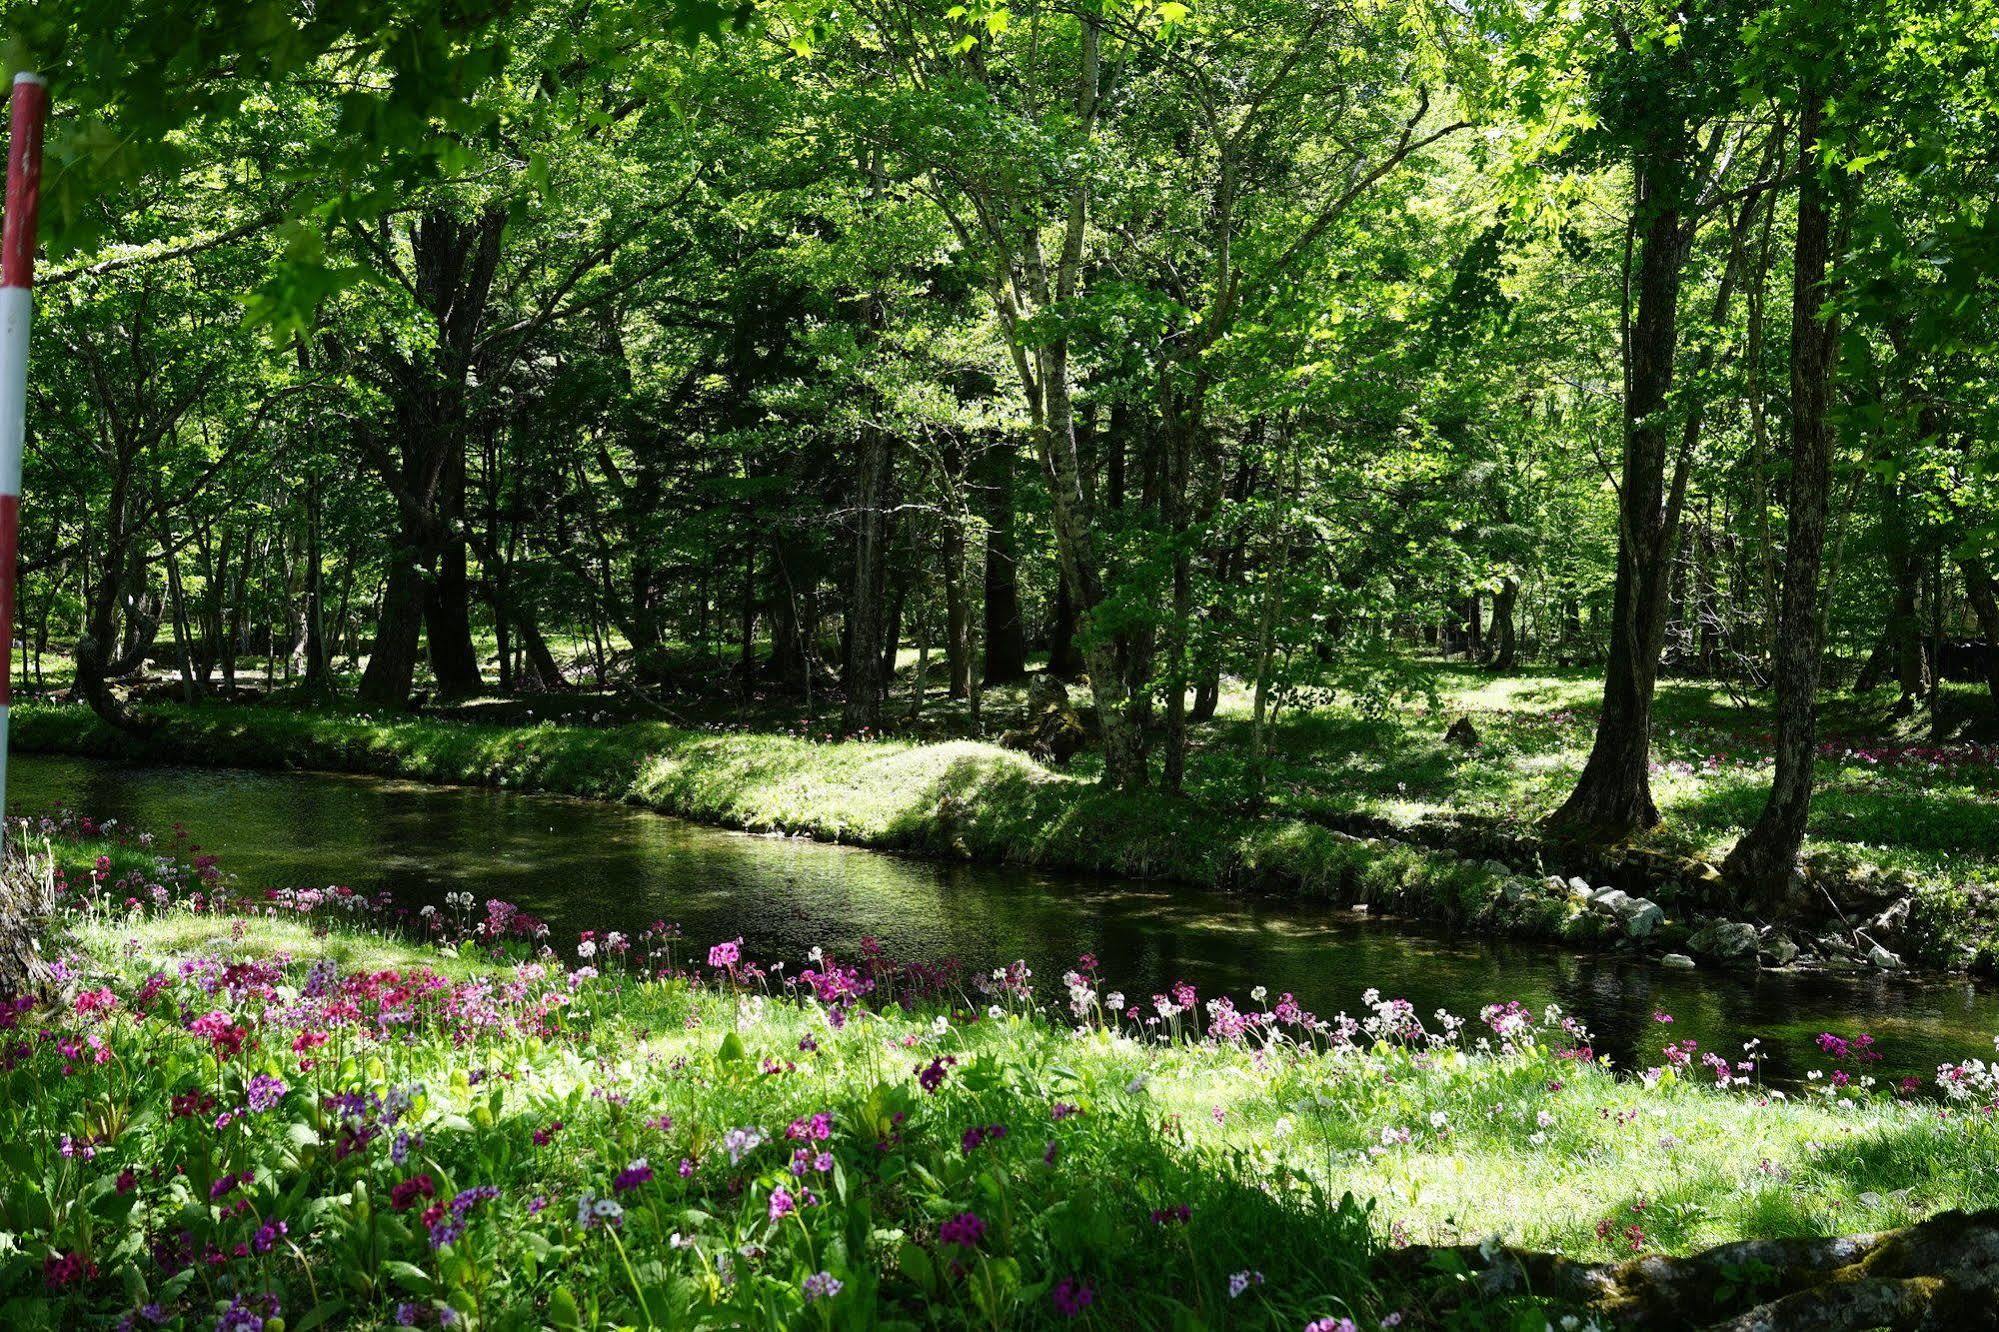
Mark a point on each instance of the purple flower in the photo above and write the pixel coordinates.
(725, 955)
(821, 1286)
(964, 1230)
(633, 1175)
(264, 1092)
(782, 1204)
(1070, 1297)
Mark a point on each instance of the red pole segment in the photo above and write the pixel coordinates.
(17, 279)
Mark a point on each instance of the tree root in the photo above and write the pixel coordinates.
(1942, 1273)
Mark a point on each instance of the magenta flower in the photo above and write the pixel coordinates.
(1070, 1297)
(964, 1230)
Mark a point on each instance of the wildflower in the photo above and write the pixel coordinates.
(224, 1036)
(1178, 1214)
(782, 1204)
(821, 1286)
(60, 1270)
(1070, 1297)
(931, 1077)
(264, 1092)
(1331, 1325)
(964, 1230)
(725, 956)
(404, 1195)
(239, 1317)
(1242, 1281)
(739, 1142)
(632, 1176)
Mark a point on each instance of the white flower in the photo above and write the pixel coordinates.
(1138, 1083)
(995, 1012)
(1259, 994)
(1115, 999)
(939, 1025)
(586, 949)
(817, 954)
(1282, 1128)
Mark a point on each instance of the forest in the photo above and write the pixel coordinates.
(1524, 468)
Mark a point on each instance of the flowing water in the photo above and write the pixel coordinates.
(584, 865)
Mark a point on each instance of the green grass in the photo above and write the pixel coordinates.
(1433, 1141)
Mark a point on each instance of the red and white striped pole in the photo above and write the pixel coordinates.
(17, 305)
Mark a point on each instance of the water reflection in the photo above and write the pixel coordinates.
(584, 865)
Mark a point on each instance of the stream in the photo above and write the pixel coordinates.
(586, 865)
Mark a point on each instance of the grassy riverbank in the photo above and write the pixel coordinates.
(288, 1107)
(1928, 811)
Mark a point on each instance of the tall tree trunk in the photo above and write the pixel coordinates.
(1979, 591)
(315, 611)
(1005, 634)
(1183, 429)
(1064, 659)
(1764, 861)
(1902, 638)
(863, 674)
(1506, 646)
(1614, 794)
(183, 623)
(391, 669)
(957, 601)
(447, 606)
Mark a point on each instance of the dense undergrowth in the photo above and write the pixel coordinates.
(310, 1109)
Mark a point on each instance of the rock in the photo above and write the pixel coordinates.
(1641, 916)
(1725, 941)
(1498, 869)
(1513, 889)
(1677, 961)
(1556, 885)
(1878, 956)
(1779, 948)
(1579, 887)
(1462, 733)
(1609, 899)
